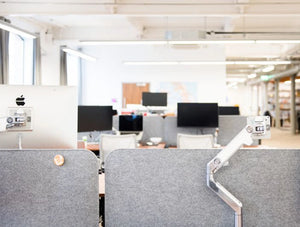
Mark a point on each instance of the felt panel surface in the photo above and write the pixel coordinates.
(168, 188)
(36, 192)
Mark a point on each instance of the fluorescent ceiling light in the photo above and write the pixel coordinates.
(211, 42)
(151, 63)
(233, 85)
(277, 41)
(79, 54)
(236, 80)
(16, 30)
(133, 42)
(182, 42)
(205, 62)
(262, 62)
(268, 68)
(251, 76)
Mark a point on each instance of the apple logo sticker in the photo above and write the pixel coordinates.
(20, 101)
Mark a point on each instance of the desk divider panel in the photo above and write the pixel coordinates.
(166, 128)
(36, 192)
(153, 126)
(171, 130)
(229, 127)
(115, 122)
(168, 188)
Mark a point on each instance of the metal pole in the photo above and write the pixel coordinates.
(277, 107)
(293, 104)
(257, 99)
(265, 97)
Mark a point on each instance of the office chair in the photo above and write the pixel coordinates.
(185, 141)
(108, 143)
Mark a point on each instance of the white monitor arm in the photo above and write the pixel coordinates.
(257, 128)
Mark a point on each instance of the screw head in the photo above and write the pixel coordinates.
(59, 160)
(217, 161)
(249, 129)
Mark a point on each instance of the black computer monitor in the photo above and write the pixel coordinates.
(229, 110)
(94, 118)
(197, 115)
(130, 123)
(154, 99)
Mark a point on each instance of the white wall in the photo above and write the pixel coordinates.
(103, 79)
(241, 95)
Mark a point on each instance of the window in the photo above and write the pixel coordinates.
(21, 67)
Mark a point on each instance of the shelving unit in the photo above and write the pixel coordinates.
(297, 97)
(284, 101)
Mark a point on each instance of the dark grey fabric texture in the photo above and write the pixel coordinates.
(153, 126)
(35, 192)
(168, 188)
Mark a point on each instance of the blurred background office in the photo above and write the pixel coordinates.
(237, 53)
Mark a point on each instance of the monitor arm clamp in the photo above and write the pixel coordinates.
(257, 128)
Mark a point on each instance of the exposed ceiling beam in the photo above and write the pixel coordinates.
(137, 25)
(140, 32)
(151, 9)
(295, 50)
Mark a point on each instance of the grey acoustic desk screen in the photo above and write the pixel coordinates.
(34, 192)
(168, 188)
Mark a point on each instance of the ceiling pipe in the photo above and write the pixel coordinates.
(289, 72)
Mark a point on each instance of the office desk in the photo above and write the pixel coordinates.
(95, 146)
(158, 146)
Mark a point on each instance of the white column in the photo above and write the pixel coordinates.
(258, 99)
(50, 67)
(265, 97)
(293, 104)
(277, 105)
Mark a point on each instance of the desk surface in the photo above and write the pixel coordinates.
(95, 146)
(158, 146)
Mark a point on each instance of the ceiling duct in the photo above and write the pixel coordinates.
(179, 35)
(289, 72)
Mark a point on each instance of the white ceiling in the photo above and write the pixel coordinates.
(154, 20)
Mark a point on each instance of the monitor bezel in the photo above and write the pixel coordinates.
(180, 122)
(163, 94)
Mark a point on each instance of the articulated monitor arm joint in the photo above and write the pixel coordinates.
(257, 128)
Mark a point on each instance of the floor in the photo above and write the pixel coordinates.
(282, 138)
